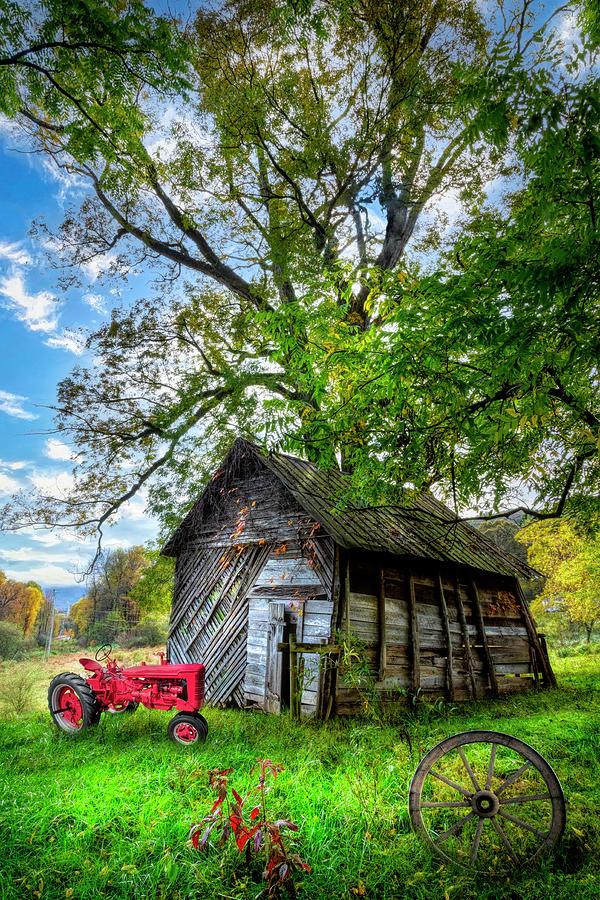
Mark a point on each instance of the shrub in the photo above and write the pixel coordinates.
(146, 634)
(16, 692)
(12, 641)
(592, 649)
(104, 632)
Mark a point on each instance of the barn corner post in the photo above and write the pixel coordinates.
(294, 682)
(540, 656)
(381, 625)
(466, 643)
(331, 660)
(480, 625)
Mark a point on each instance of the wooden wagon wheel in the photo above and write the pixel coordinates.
(485, 800)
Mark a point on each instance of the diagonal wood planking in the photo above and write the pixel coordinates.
(210, 621)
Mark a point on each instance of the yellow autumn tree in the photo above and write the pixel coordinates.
(570, 560)
(82, 614)
(20, 602)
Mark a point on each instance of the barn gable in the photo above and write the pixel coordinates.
(264, 554)
(243, 574)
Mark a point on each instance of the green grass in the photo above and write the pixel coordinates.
(107, 814)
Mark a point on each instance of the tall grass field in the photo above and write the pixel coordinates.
(108, 813)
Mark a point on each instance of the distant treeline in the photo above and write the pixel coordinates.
(128, 599)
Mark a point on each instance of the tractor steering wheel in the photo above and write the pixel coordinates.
(103, 652)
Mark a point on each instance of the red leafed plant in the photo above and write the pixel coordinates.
(255, 831)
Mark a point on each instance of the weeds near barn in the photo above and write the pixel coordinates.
(107, 815)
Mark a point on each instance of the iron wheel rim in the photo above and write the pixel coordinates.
(483, 803)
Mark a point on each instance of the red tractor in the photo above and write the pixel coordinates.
(76, 703)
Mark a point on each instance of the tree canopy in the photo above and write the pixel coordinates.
(490, 360)
(109, 602)
(128, 588)
(282, 186)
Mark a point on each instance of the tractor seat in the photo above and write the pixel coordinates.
(91, 664)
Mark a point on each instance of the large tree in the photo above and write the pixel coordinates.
(309, 146)
(20, 602)
(486, 368)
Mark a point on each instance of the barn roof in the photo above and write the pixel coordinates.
(423, 528)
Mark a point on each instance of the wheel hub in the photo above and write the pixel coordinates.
(485, 804)
(186, 733)
(70, 708)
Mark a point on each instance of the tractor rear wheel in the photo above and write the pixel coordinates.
(72, 703)
(188, 728)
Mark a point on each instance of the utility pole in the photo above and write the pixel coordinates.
(52, 599)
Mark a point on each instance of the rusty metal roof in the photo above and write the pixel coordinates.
(423, 528)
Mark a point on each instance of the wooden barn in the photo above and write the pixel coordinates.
(265, 555)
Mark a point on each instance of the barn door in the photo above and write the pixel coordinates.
(275, 658)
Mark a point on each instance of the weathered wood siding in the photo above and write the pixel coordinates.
(451, 658)
(251, 510)
(294, 581)
(254, 566)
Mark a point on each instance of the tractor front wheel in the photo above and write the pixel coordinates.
(73, 705)
(188, 728)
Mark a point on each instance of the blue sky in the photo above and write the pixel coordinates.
(38, 347)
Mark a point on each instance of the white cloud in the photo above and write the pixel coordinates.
(69, 341)
(14, 253)
(55, 576)
(13, 466)
(27, 554)
(11, 404)
(134, 511)
(568, 29)
(53, 484)
(50, 538)
(8, 485)
(37, 311)
(97, 265)
(56, 449)
(95, 301)
(448, 203)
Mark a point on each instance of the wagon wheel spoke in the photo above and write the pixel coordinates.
(525, 799)
(490, 771)
(522, 824)
(458, 826)
(475, 847)
(451, 784)
(445, 805)
(513, 777)
(470, 772)
(506, 842)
